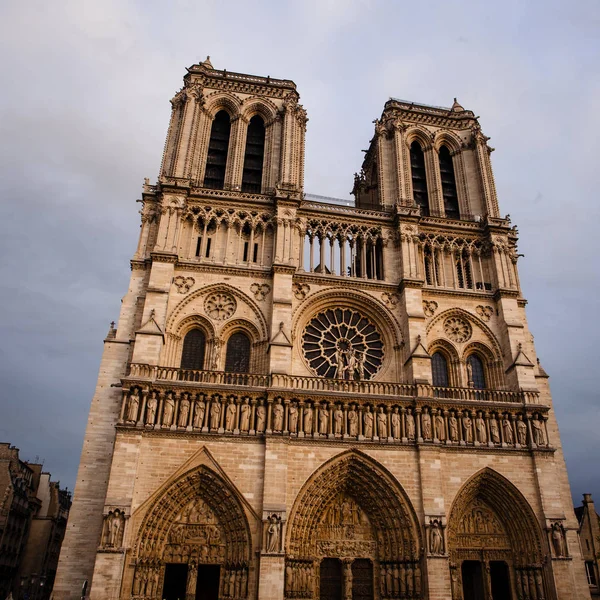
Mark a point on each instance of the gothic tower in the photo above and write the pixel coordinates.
(309, 400)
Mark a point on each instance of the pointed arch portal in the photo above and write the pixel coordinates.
(352, 528)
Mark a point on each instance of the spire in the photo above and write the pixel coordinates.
(207, 63)
(456, 107)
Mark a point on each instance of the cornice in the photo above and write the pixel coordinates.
(343, 282)
(308, 208)
(505, 293)
(138, 264)
(199, 193)
(434, 291)
(413, 284)
(283, 269)
(164, 257)
(265, 273)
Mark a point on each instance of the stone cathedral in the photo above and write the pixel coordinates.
(311, 399)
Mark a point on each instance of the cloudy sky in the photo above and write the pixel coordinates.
(84, 113)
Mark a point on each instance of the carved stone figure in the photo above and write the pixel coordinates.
(481, 431)
(230, 413)
(289, 581)
(360, 365)
(521, 431)
(184, 411)
(133, 404)
(467, 429)
(273, 529)
(151, 409)
(440, 432)
(352, 422)
(215, 414)
(113, 529)
(426, 423)
(410, 425)
(168, 410)
(558, 540)
(323, 419)
(453, 427)
(381, 423)
(538, 432)
(261, 416)
(494, 431)
(347, 581)
(436, 538)
(368, 423)
(395, 424)
(277, 417)
(308, 419)
(293, 418)
(245, 410)
(338, 420)
(507, 431)
(199, 410)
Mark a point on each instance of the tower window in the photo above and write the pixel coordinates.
(419, 178)
(218, 147)
(194, 346)
(254, 156)
(476, 372)
(448, 184)
(439, 370)
(237, 359)
(255, 253)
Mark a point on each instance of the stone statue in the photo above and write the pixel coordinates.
(467, 429)
(436, 539)
(277, 417)
(151, 409)
(215, 414)
(230, 413)
(507, 430)
(168, 410)
(199, 410)
(352, 422)
(289, 579)
(184, 411)
(456, 591)
(132, 406)
(308, 419)
(410, 425)
(350, 367)
(245, 410)
(389, 586)
(293, 418)
(382, 591)
(440, 433)
(558, 540)
(347, 581)
(368, 423)
(381, 423)
(340, 368)
(338, 420)
(395, 424)
(494, 431)
(360, 365)
(115, 529)
(480, 427)
(521, 431)
(396, 578)
(323, 419)
(426, 422)
(273, 533)
(538, 432)
(453, 427)
(261, 416)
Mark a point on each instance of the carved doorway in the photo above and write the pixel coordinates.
(472, 580)
(175, 581)
(207, 587)
(330, 580)
(362, 579)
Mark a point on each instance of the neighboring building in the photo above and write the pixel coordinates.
(33, 517)
(589, 536)
(310, 400)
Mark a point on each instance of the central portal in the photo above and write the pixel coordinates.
(207, 587)
(331, 579)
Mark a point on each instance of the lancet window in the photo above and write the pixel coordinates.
(448, 184)
(218, 147)
(419, 178)
(348, 251)
(476, 372)
(237, 358)
(439, 370)
(194, 346)
(254, 156)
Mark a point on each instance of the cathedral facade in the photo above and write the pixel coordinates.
(304, 399)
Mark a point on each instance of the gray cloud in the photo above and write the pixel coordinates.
(83, 118)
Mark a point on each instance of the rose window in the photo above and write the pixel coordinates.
(220, 306)
(457, 329)
(342, 344)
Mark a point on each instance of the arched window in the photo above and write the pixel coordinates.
(254, 157)
(237, 359)
(194, 346)
(218, 146)
(476, 372)
(419, 178)
(439, 370)
(448, 184)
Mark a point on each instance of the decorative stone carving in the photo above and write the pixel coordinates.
(323, 420)
(494, 430)
(558, 537)
(467, 429)
(368, 423)
(426, 424)
(381, 423)
(230, 414)
(458, 330)
(429, 307)
(507, 431)
(151, 408)
(390, 300)
(220, 306)
(168, 410)
(338, 420)
(277, 417)
(538, 432)
(300, 290)
(112, 532)
(184, 284)
(273, 534)
(521, 431)
(410, 425)
(352, 422)
(260, 291)
(261, 417)
(245, 411)
(436, 537)
(215, 414)
(199, 410)
(480, 428)
(485, 312)
(293, 418)
(184, 411)
(440, 432)
(396, 424)
(308, 419)
(133, 404)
